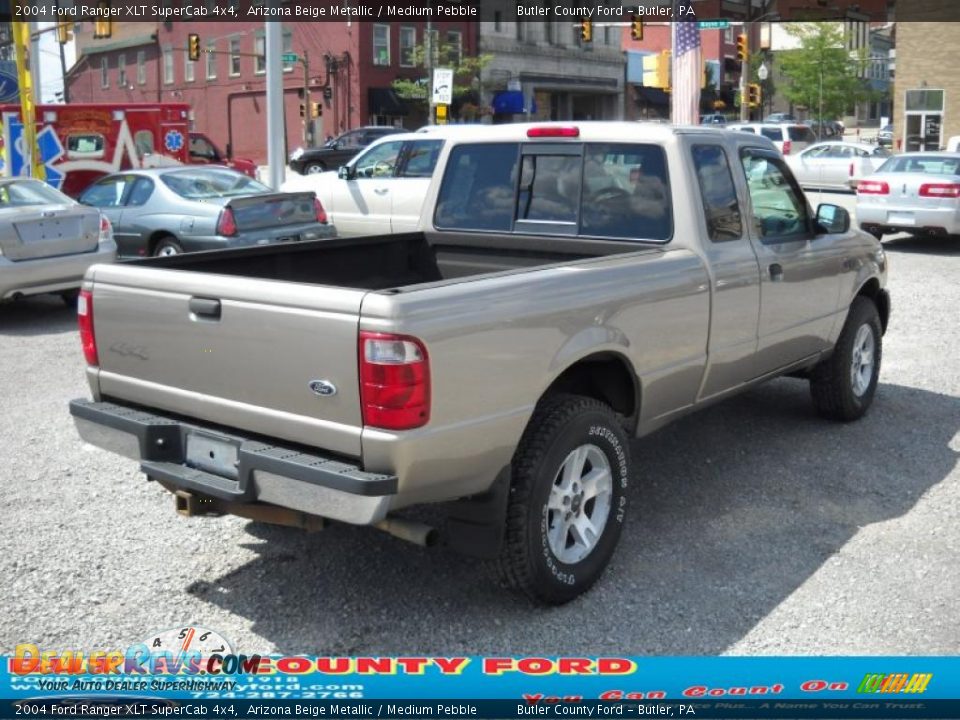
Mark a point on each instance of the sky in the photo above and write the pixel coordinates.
(51, 79)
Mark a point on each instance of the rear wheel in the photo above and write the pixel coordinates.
(167, 246)
(844, 384)
(567, 499)
(314, 168)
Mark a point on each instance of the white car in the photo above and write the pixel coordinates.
(836, 165)
(789, 137)
(918, 193)
(381, 190)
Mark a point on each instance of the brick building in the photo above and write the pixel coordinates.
(351, 68)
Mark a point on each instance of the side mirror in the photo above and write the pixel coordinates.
(345, 172)
(832, 218)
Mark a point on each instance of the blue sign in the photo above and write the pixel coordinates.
(50, 152)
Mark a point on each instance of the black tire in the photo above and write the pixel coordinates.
(832, 381)
(167, 246)
(527, 561)
(313, 168)
(70, 297)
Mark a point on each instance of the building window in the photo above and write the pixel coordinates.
(168, 65)
(212, 60)
(497, 20)
(260, 50)
(104, 71)
(188, 67)
(234, 57)
(122, 70)
(381, 44)
(141, 67)
(408, 40)
(454, 47)
(518, 26)
(728, 35)
(288, 49)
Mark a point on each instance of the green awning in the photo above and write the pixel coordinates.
(100, 46)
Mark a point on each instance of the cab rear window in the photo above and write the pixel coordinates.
(606, 190)
(800, 133)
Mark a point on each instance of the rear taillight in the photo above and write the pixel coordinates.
(786, 147)
(106, 229)
(88, 340)
(226, 223)
(872, 187)
(553, 131)
(394, 381)
(319, 211)
(940, 190)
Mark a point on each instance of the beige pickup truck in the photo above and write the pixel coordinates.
(572, 287)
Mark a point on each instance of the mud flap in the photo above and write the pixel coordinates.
(475, 525)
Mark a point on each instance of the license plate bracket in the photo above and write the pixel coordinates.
(213, 454)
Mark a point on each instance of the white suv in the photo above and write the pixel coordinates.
(788, 137)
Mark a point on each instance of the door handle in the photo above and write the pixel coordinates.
(776, 272)
(381, 191)
(205, 308)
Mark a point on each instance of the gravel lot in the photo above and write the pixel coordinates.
(757, 527)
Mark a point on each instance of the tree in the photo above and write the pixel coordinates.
(466, 77)
(823, 75)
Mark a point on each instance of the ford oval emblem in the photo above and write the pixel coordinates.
(324, 388)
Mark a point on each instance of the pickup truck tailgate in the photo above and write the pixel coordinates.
(239, 354)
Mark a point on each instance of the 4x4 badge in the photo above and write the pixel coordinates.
(324, 388)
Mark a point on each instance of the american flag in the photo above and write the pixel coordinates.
(686, 73)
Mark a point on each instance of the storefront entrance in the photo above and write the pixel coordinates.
(923, 120)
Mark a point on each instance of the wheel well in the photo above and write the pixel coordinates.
(156, 238)
(605, 377)
(880, 298)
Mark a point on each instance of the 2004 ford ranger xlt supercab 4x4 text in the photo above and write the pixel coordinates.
(572, 286)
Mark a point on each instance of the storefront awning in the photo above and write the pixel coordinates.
(507, 102)
(384, 101)
(652, 96)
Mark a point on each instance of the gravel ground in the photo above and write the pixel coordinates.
(757, 527)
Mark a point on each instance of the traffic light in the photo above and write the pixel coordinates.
(303, 110)
(586, 30)
(753, 95)
(636, 27)
(742, 49)
(193, 47)
(102, 25)
(317, 110)
(64, 31)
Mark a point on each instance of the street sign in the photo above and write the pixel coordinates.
(290, 57)
(762, 72)
(713, 24)
(442, 86)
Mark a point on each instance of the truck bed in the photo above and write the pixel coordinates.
(390, 261)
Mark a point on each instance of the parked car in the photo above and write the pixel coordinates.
(713, 119)
(337, 151)
(917, 193)
(47, 240)
(167, 211)
(780, 118)
(382, 189)
(827, 130)
(836, 165)
(571, 286)
(203, 151)
(788, 137)
(885, 136)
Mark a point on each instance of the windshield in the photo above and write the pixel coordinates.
(927, 163)
(203, 184)
(30, 192)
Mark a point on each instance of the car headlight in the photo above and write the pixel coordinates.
(296, 153)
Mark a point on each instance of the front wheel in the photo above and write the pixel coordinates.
(166, 247)
(314, 168)
(844, 384)
(567, 499)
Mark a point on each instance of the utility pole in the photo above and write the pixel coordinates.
(307, 106)
(31, 155)
(63, 66)
(276, 130)
(428, 62)
(745, 68)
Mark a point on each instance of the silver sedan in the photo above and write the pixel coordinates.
(47, 240)
(836, 165)
(918, 193)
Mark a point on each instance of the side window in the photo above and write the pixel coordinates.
(142, 189)
(421, 158)
(200, 147)
(477, 192)
(821, 151)
(549, 188)
(779, 208)
(106, 193)
(380, 161)
(143, 141)
(87, 146)
(774, 133)
(626, 192)
(350, 141)
(719, 194)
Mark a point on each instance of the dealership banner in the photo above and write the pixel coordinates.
(196, 673)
